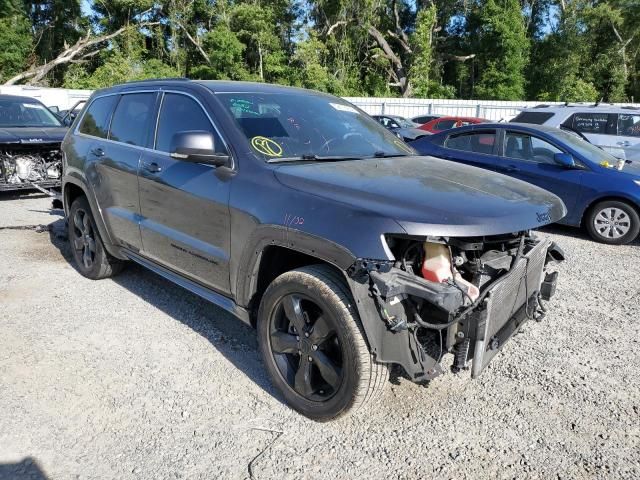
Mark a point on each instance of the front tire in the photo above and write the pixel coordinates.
(92, 260)
(613, 222)
(313, 345)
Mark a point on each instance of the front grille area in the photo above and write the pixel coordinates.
(510, 294)
(506, 300)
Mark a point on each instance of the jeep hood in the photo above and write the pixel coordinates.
(32, 135)
(428, 196)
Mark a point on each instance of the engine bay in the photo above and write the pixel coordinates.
(463, 296)
(22, 166)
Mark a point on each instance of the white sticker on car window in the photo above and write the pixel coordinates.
(343, 108)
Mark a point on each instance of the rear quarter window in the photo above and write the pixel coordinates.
(536, 118)
(476, 142)
(95, 121)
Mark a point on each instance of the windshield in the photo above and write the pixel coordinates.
(586, 149)
(404, 123)
(25, 113)
(281, 126)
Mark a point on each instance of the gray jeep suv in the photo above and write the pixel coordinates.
(298, 213)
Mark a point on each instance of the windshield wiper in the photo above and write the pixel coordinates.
(308, 157)
(381, 154)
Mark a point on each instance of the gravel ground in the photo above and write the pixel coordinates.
(136, 378)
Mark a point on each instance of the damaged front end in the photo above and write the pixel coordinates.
(464, 296)
(24, 165)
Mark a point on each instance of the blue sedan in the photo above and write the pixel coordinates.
(601, 192)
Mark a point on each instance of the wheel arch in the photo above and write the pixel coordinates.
(607, 198)
(273, 250)
(73, 188)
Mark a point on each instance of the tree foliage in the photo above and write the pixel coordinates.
(563, 50)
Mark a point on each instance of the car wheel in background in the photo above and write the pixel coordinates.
(92, 260)
(313, 345)
(613, 222)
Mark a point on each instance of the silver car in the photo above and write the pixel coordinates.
(616, 129)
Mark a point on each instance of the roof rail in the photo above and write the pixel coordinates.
(170, 79)
(586, 104)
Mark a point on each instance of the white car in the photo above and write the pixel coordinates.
(615, 129)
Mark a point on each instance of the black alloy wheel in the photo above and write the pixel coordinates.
(313, 344)
(83, 239)
(92, 259)
(306, 347)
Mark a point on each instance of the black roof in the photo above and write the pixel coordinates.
(216, 86)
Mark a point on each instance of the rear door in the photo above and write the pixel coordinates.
(185, 222)
(114, 170)
(531, 158)
(476, 147)
(628, 129)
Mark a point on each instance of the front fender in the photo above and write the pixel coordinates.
(279, 235)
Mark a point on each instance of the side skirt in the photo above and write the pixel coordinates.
(214, 297)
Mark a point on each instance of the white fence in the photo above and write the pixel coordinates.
(412, 107)
(63, 98)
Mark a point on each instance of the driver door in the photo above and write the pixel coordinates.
(184, 207)
(531, 159)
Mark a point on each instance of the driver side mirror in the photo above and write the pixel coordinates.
(564, 160)
(198, 147)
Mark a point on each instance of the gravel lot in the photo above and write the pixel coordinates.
(136, 378)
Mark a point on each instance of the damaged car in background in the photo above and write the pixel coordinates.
(301, 215)
(30, 138)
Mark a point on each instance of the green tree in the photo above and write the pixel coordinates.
(503, 50)
(16, 41)
(225, 56)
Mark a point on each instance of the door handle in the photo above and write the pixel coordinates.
(98, 151)
(510, 168)
(626, 143)
(152, 167)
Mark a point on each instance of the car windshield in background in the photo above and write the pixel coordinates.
(404, 123)
(19, 113)
(283, 127)
(586, 149)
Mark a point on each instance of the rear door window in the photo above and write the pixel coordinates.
(180, 113)
(537, 118)
(589, 122)
(423, 120)
(95, 121)
(476, 142)
(132, 119)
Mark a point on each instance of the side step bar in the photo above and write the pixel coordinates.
(217, 299)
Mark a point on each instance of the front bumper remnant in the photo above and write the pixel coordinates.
(474, 332)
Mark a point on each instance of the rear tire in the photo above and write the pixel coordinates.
(613, 222)
(92, 260)
(313, 344)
